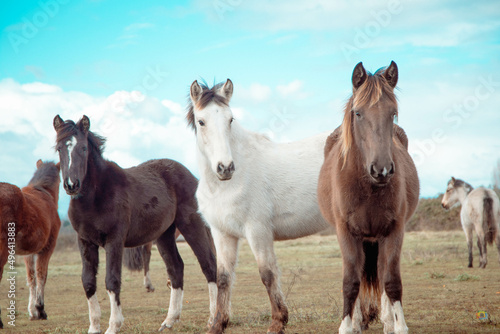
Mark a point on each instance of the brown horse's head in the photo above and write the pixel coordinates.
(368, 121)
(74, 146)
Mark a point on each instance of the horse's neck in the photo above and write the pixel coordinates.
(95, 168)
(462, 194)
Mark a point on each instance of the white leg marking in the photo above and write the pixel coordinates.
(147, 283)
(94, 315)
(346, 326)
(174, 309)
(212, 293)
(387, 314)
(357, 317)
(31, 306)
(116, 317)
(399, 319)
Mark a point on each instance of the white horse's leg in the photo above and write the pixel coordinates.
(29, 261)
(262, 247)
(399, 319)
(387, 314)
(481, 245)
(468, 236)
(116, 317)
(227, 254)
(94, 315)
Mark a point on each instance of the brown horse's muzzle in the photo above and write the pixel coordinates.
(382, 173)
(71, 189)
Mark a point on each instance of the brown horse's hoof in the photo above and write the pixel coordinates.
(276, 327)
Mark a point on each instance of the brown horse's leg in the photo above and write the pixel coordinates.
(263, 250)
(42, 268)
(29, 262)
(227, 255)
(193, 228)
(391, 282)
(4, 255)
(147, 258)
(90, 261)
(114, 256)
(175, 269)
(352, 265)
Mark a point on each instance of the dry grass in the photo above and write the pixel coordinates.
(441, 295)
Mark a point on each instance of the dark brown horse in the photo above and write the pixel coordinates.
(30, 225)
(115, 208)
(368, 188)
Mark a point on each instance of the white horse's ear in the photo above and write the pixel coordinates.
(452, 180)
(358, 76)
(391, 74)
(195, 91)
(226, 90)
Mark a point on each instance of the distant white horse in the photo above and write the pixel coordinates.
(480, 211)
(253, 188)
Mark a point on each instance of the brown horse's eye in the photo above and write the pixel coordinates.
(358, 114)
(84, 149)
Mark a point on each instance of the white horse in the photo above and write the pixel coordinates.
(253, 188)
(480, 211)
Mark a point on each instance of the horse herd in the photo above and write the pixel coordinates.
(360, 179)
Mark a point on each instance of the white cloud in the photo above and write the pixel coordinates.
(292, 89)
(137, 127)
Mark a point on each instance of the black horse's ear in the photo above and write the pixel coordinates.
(58, 121)
(85, 124)
(391, 74)
(358, 76)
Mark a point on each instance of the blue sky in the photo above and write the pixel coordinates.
(128, 66)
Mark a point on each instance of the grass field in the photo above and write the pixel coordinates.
(441, 295)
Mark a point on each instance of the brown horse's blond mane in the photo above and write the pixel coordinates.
(368, 94)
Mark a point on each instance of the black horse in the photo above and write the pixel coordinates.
(115, 208)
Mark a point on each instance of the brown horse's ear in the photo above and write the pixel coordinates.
(195, 91)
(358, 75)
(226, 90)
(58, 122)
(58, 166)
(39, 163)
(85, 124)
(391, 74)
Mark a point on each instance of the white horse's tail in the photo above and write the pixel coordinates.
(489, 224)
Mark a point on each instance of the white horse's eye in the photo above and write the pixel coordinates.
(232, 119)
(201, 123)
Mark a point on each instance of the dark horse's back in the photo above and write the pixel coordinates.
(155, 187)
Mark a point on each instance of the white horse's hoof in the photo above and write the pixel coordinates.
(168, 324)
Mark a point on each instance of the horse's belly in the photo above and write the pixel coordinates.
(296, 225)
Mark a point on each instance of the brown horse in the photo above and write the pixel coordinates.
(368, 188)
(30, 225)
(114, 208)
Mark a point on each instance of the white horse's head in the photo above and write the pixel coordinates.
(211, 117)
(455, 191)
